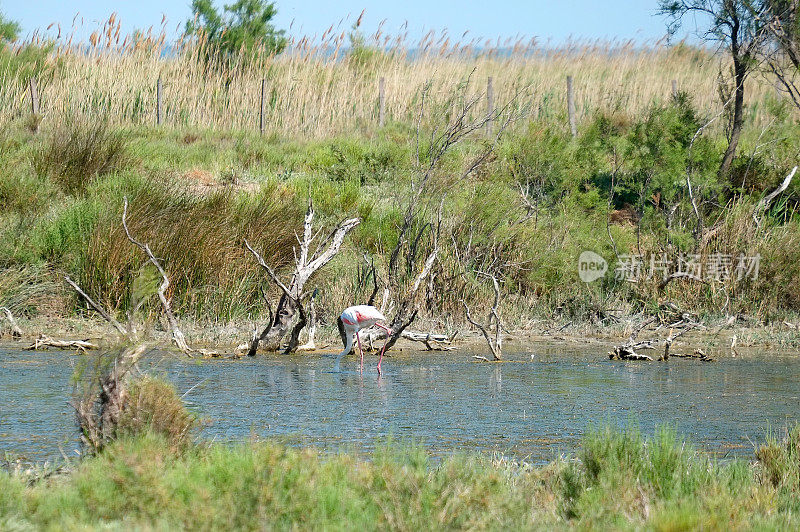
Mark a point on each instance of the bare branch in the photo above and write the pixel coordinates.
(177, 335)
(335, 243)
(269, 270)
(765, 202)
(122, 330)
(496, 343)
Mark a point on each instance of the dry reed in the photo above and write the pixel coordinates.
(323, 87)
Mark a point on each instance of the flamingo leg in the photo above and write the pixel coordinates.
(360, 350)
(381, 357)
(388, 334)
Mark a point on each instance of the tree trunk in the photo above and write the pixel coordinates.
(272, 336)
(740, 74)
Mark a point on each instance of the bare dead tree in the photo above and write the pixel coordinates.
(16, 332)
(738, 27)
(416, 233)
(495, 339)
(781, 56)
(306, 265)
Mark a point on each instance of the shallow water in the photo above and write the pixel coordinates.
(534, 408)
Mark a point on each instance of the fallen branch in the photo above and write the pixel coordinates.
(698, 354)
(16, 332)
(43, 342)
(630, 349)
(433, 342)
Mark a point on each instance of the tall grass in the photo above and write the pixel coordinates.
(321, 87)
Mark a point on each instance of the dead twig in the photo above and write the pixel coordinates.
(493, 320)
(100, 310)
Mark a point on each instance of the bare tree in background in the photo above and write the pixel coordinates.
(739, 27)
(411, 261)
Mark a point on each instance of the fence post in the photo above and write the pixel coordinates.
(34, 106)
(674, 88)
(261, 113)
(573, 126)
(158, 102)
(489, 105)
(382, 102)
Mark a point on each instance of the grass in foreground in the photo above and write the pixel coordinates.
(618, 480)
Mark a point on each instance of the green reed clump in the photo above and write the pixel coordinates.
(200, 239)
(76, 153)
(28, 289)
(24, 193)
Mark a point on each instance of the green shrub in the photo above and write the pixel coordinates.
(154, 406)
(780, 460)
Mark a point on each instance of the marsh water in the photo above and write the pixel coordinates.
(534, 407)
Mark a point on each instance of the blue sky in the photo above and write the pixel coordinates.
(549, 21)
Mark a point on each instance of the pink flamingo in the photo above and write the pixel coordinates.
(352, 320)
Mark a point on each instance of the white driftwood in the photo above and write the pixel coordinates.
(43, 342)
(765, 202)
(432, 341)
(16, 332)
(177, 335)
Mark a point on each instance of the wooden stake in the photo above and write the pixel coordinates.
(261, 114)
(158, 102)
(489, 105)
(573, 126)
(382, 101)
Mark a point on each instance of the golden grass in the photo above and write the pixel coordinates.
(323, 89)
